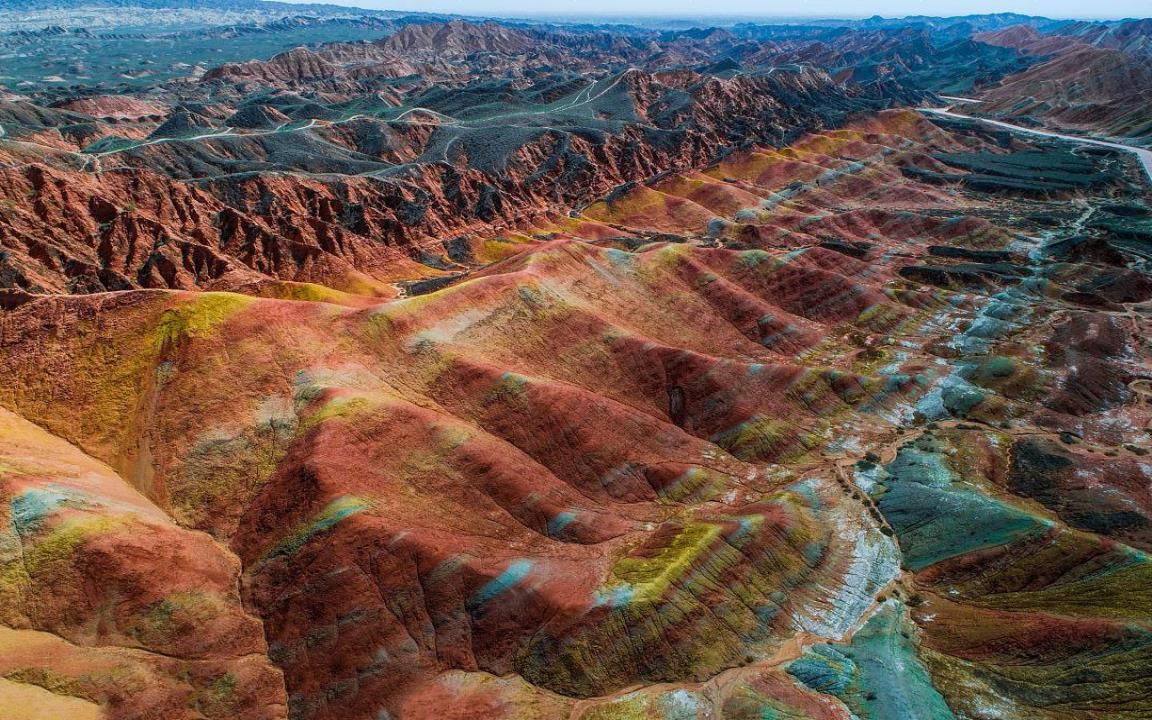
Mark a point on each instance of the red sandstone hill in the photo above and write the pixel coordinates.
(1097, 77)
(115, 107)
(172, 212)
(458, 37)
(666, 450)
(1028, 39)
(583, 376)
(294, 66)
(1100, 90)
(417, 50)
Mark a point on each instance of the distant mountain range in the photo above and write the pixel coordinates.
(220, 5)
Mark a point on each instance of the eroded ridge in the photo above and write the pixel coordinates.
(733, 443)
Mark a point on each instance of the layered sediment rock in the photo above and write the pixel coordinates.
(705, 446)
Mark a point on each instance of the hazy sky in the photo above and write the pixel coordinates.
(768, 8)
